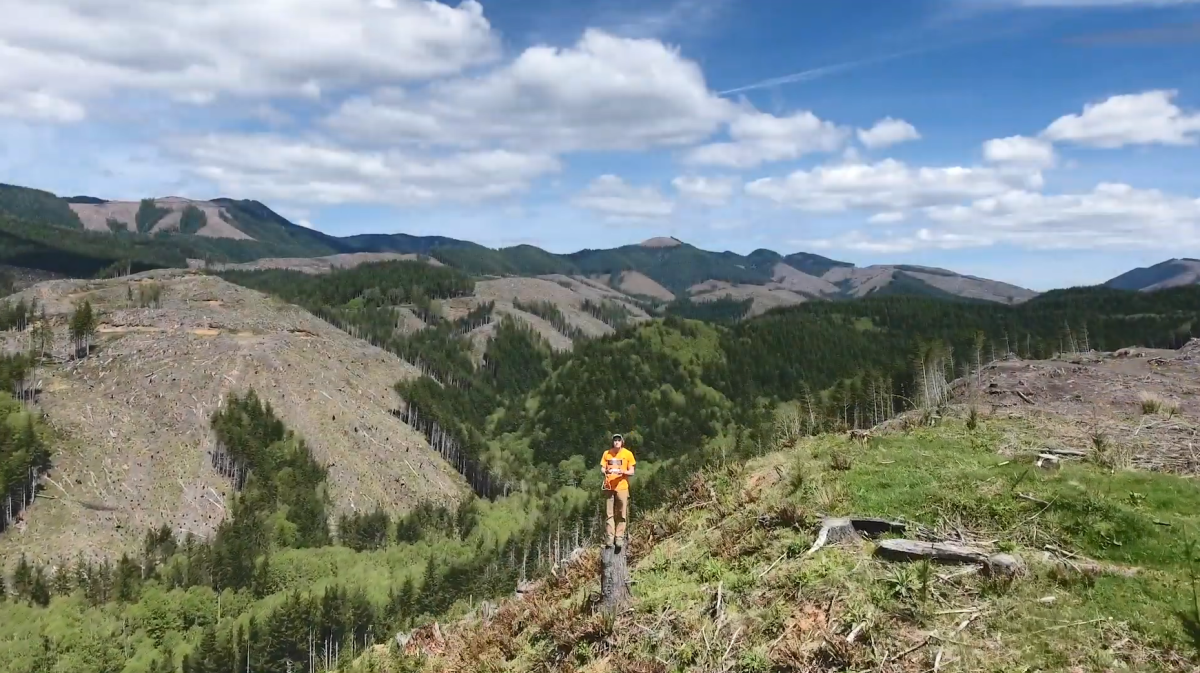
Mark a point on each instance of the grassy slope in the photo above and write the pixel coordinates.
(785, 611)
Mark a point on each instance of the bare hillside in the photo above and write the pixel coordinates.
(764, 297)
(1133, 408)
(134, 415)
(95, 216)
(316, 264)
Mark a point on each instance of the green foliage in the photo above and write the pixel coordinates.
(612, 313)
(192, 220)
(149, 294)
(549, 311)
(83, 327)
(23, 456)
(37, 206)
(276, 233)
(819, 344)
(17, 315)
(8, 284)
(394, 283)
(148, 215)
(116, 226)
(725, 310)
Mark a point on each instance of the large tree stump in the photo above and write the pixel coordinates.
(614, 580)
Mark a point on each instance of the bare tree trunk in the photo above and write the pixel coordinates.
(614, 580)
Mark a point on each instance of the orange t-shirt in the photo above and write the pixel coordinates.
(621, 460)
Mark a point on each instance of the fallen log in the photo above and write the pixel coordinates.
(1004, 565)
(915, 550)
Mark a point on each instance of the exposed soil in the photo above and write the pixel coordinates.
(1137, 407)
(133, 417)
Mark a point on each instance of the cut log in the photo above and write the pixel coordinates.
(1073, 453)
(614, 580)
(915, 550)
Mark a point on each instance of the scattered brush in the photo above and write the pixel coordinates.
(973, 418)
(839, 461)
(1109, 454)
(1151, 403)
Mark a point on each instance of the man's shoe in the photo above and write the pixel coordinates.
(619, 543)
(611, 542)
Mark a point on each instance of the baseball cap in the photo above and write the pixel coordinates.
(617, 436)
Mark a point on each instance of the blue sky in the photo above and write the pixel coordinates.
(1041, 142)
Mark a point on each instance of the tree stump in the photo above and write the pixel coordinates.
(614, 580)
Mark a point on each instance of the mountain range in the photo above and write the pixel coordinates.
(82, 235)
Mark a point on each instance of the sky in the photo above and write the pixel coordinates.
(1046, 143)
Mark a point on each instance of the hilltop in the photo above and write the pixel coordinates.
(1171, 273)
(131, 421)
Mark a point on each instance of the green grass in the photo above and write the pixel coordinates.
(785, 610)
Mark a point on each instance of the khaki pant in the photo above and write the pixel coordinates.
(617, 509)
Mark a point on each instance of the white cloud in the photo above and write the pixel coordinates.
(887, 132)
(1111, 215)
(604, 93)
(888, 217)
(1020, 151)
(710, 191)
(196, 50)
(759, 137)
(1131, 119)
(888, 185)
(39, 106)
(612, 196)
(298, 171)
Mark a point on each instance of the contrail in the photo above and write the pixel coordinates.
(817, 73)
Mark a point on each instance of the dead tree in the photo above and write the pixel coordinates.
(614, 580)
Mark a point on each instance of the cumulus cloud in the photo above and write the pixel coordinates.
(760, 137)
(612, 196)
(888, 185)
(1020, 151)
(1111, 215)
(603, 93)
(301, 171)
(196, 50)
(707, 190)
(1149, 118)
(887, 132)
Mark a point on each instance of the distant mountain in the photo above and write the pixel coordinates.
(86, 234)
(1171, 273)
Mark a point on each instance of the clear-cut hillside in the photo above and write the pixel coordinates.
(96, 216)
(133, 418)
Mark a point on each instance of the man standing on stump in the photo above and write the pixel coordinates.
(617, 466)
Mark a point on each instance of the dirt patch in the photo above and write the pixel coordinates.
(133, 417)
(1142, 412)
(636, 283)
(763, 297)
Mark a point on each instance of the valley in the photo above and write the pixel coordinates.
(295, 453)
